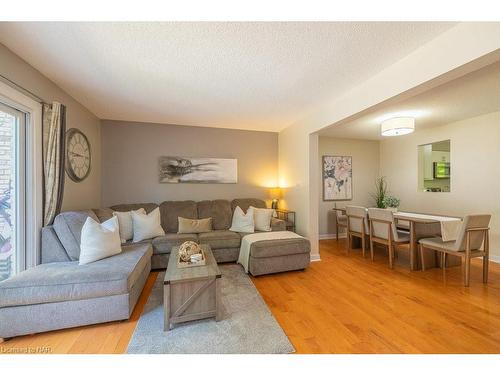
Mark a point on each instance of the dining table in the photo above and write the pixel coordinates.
(425, 225)
(421, 225)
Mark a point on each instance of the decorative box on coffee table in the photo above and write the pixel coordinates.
(191, 293)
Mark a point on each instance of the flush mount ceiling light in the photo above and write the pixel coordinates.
(397, 126)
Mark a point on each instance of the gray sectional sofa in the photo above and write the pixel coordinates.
(60, 293)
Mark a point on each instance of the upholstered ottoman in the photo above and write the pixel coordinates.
(271, 256)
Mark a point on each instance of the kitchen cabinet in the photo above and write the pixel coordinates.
(430, 157)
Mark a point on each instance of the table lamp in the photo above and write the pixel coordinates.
(275, 194)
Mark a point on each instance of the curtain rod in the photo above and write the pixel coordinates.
(22, 89)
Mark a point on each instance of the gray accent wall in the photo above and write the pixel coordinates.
(130, 152)
(87, 193)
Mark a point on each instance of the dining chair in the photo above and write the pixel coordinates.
(340, 221)
(403, 225)
(383, 231)
(473, 235)
(357, 226)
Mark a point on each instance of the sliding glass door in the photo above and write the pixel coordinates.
(12, 191)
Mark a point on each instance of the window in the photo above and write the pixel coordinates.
(20, 181)
(12, 191)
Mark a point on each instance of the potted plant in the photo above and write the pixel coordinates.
(380, 192)
(391, 203)
(382, 197)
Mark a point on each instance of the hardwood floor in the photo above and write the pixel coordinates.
(343, 304)
(348, 304)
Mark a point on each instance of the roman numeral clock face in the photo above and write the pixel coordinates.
(78, 155)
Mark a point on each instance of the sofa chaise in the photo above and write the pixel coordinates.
(60, 293)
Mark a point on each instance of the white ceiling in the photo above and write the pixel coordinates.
(469, 96)
(254, 75)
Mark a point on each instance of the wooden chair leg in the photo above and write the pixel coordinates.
(443, 263)
(349, 239)
(337, 230)
(486, 256)
(485, 268)
(422, 257)
(412, 257)
(467, 271)
(391, 256)
(363, 244)
(371, 250)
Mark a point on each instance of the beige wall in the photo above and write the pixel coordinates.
(365, 169)
(297, 175)
(475, 181)
(131, 151)
(76, 195)
(456, 52)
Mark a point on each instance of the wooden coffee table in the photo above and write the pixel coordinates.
(191, 293)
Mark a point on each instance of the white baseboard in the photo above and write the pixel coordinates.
(330, 236)
(315, 258)
(495, 258)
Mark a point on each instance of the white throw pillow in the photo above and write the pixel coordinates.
(125, 223)
(242, 222)
(262, 218)
(146, 226)
(99, 241)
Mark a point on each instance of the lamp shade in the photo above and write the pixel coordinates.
(275, 193)
(397, 126)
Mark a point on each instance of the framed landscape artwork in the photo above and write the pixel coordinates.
(337, 178)
(175, 169)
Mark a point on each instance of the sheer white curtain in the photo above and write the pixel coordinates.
(54, 128)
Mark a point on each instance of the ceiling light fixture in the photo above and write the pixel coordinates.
(397, 126)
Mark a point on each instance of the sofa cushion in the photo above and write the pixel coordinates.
(278, 225)
(68, 227)
(220, 239)
(66, 281)
(52, 249)
(247, 202)
(134, 207)
(103, 214)
(171, 210)
(281, 247)
(219, 210)
(243, 234)
(163, 244)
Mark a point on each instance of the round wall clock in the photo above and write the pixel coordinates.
(78, 158)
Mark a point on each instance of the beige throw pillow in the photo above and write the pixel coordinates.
(194, 226)
(262, 218)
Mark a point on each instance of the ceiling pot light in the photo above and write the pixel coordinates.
(397, 126)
